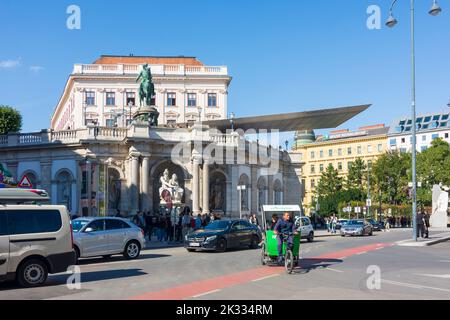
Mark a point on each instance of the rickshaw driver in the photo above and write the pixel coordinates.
(284, 226)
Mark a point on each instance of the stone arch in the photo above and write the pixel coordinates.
(262, 192)
(114, 188)
(277, 192)
(64, 180)
(155, 174)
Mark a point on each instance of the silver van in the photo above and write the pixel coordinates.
(35, 239)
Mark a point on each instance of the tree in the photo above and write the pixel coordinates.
(328, 191)
(10, 120)
(357, 175)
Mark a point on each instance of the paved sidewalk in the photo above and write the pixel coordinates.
(436, 236)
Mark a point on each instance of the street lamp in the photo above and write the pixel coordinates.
(391, 22)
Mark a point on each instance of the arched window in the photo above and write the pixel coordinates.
(245, 181)
(64, 189)
(262, 193)
(277, 192)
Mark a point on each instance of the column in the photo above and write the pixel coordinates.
(206, 187)
(134, 188)
(196, 186)
(145, 183)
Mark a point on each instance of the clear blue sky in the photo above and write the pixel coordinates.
(284, 56)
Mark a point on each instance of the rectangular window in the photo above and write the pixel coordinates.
(90, 98)
(33, 221)
(330, 153)
(403, 150)
(403, 140)
(393, 142)
(340, 166)
(321, 153)
(423, 148)
(321, 168)
(349, 151)
(171, 99)
(131, 99)
(212, 100)
(350, 165)
(359, 150)
(424, 138)
(380, 148)
(446, 136)
(339, 152)
(435, 136)
(313, 183)
(192, 100)
(313, 155)
(369, 148)
(313, 169)
(110, 99)
(110, 122)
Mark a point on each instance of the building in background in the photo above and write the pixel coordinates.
(105, 93)
(340, 148)
(429, 127)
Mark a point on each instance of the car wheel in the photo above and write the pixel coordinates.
(132, 250)
(254, 242)
(32, 273)
(311, 237)
(221, 245)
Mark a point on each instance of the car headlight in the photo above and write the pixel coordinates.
(212, 238)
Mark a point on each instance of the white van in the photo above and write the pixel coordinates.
(35, 239)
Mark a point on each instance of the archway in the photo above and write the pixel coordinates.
(262, 192)
(245, 201)
(114, 190)
(277, 192)
(157, 173)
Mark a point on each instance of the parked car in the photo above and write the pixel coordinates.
(377, 226)
(106, 236)
(357, 228)
(341, 223)
(35, 240)
(221, 235)
(304, 226)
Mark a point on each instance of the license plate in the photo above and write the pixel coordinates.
(194, 244)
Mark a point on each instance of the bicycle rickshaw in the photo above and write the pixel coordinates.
(269, 248)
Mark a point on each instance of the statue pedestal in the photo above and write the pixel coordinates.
(439, 216)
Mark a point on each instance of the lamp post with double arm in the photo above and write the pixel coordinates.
(391, 22)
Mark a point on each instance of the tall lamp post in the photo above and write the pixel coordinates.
(391, 22)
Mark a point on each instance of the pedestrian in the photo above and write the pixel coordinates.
(149, 224)
(168, 229)
(186, 223)
(387, 225)
(207, 219)
(274, 222)
(198, 222)
(420, 225)
(327, 223)
(426, 218)
(139, 220)
(179, 228)
(118, 215)
(333, 224)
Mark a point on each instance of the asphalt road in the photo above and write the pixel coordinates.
(331, 268)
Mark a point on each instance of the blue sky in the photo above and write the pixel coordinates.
(284, 56)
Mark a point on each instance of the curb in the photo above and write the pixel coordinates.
(410, 243)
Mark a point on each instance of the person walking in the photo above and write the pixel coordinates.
(198, 222)
(186, 224)
(426, 219)
(420, 225)
(333, 224)
(327, 223)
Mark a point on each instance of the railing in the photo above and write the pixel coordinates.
(30, 138)
(166, 69)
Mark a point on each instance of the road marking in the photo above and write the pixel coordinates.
(444, 261)
(268, 277)
(364, 252)
(414, 286)
(335, 270)
(205, 293)
(442, 276)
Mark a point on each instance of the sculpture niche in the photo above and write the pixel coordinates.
(146, 112)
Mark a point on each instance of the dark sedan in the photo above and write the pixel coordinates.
(377, 226)
(222, 235)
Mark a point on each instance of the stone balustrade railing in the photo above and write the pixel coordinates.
(134, 69)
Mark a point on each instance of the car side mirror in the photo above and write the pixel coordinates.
(87, 230)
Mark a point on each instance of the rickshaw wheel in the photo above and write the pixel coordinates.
(289, 262)
(263, 254)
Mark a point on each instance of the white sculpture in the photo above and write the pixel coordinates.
(439, 217)
(172, 188)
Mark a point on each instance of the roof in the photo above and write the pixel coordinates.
(288, 122)
(111, 59)
(425, 122)
(15, 195)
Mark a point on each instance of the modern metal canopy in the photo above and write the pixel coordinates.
(287, 122)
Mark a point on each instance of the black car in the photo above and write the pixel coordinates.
(221, 235)
(377, 226)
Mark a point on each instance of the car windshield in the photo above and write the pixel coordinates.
(77, 225)
(217, 225)
(355, 223)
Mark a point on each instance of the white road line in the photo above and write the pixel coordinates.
(414, 286)
(264, 278)
(444, 261)
(335, 270)
(206, 293)
(360, 253)
(442, 276)
(379, 248)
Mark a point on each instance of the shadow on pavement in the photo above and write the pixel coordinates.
(88, 276)
(88, 261)
(308, 264)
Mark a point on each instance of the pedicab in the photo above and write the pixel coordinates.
(269, 247)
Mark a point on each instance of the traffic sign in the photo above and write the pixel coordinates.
(25, 183)
(369, 202)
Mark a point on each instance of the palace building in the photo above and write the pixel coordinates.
(339, 148)
(99, 157)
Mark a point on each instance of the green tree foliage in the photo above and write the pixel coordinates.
(357, 179)
(328, 191)
(10, 120)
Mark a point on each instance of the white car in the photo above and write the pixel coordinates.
(103, 236)
(304, 226)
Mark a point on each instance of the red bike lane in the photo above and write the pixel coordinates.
(193, 289)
